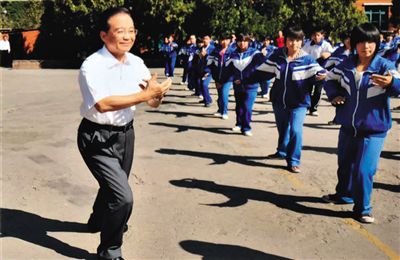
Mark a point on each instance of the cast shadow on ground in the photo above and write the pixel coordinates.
(210, 251)
(218, 158)
(187, 104)
(390, 155)
(179, 114)
(238, 196)
(33, 228)
(388, 187)
(184, 128)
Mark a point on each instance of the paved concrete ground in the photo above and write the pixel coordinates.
(201, 191)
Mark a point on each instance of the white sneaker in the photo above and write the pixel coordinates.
(183, 83)
(236, 129)
(218, 114)
(314, 113)
(248, 133)
(201, 97)
(367, 219)
(225, 117)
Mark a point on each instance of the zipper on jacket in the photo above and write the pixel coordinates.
(357, 102)
(220, 69)
(241, 72)
(284, 91)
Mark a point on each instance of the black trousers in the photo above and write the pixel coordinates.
(316, 96)
(108, 153)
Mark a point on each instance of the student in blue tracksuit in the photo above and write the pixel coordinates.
(170, 51)
(267, 48)
(183, 55)
(321, 50)
(295, 72)
(341, 54)
(202, 71)
(360, 87)
(191, 52)
(241, 66)
(216, 62)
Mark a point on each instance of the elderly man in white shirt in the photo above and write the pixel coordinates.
(320, 50)
(112, 82)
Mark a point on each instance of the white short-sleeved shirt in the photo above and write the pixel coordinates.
(5, 46)
(102, 75)
(318, 48)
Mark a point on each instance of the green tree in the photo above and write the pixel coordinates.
(68, 28)
(334, 16)
(20, 15)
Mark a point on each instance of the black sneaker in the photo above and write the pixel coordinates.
(275, 156)
(334, 198)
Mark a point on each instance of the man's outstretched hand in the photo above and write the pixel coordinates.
(154, 89)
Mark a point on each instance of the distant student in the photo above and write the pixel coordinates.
(266, 49)
(320, 50)
(216, 62)
(202, 72)
(242, 64)
(170, 51)
(280, 41)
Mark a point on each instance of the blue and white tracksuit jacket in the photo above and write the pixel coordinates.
(201, 69)
(338, 56)
(170, 50)
(219, 71)
(290, 96)
(265, 84)
(241, 66)
(270, 49)
(366, 109)
(294, 79)
(365, 118)
(217, 66)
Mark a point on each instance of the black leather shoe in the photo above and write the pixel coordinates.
(103, 258)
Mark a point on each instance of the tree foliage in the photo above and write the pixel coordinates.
(70, 25)
(20, 15)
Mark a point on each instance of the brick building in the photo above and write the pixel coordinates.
(377, 11)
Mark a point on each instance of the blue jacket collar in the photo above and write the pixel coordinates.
(283, 54)
(373, 67)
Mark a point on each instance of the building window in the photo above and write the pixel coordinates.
(378, 15)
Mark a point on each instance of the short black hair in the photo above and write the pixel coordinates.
(366, 32)
(344, 35)
(243, 37)
(293, 32)
(318, 30)
(225, 36)
(268, 38)
(107, 14)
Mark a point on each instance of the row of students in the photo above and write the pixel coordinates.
(358, 84)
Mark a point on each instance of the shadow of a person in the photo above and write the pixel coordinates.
(33, 228)
(219, 158)
(223, 251)
(238, 196)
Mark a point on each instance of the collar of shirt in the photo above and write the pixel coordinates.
(110, 60)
